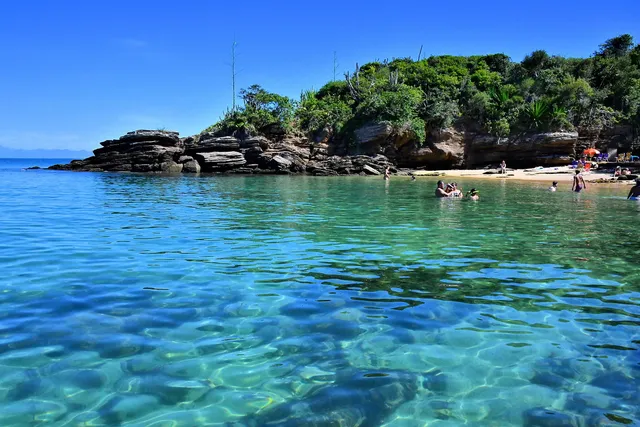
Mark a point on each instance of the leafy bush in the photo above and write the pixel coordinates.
(261, 109)
(541, 92)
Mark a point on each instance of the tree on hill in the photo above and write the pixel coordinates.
(490, 93)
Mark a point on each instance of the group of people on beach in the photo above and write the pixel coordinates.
(452, 190)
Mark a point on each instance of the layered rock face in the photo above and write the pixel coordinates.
(442, 149)
(542, 149)
(138, 151)
(165, 152)
(377, 146)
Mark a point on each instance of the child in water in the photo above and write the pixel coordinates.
(578, 182)
(473, 194)
(554, 186)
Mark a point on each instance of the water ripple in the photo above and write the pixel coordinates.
(152, 301)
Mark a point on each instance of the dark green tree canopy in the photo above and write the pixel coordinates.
(489, 93)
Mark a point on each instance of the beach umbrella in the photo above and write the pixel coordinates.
(591, 152)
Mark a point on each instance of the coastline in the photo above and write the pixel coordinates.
(560, 174)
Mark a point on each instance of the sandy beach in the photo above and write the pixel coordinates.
(560, 174)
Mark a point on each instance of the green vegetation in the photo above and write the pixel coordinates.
(488, 93)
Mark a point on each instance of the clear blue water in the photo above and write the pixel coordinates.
(307, 301)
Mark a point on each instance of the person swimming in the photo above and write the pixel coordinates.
(455, 191)
(554, 186)
(473, 194)
(578, 182)
(634, 193)
(440, 190)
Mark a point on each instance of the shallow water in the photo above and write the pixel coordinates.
(286, 301)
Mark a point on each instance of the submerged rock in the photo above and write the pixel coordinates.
(355, 398)
(543, 417)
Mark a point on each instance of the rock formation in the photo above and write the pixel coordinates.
(376, 146)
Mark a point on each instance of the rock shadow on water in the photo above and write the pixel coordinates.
(546, 417)
(356, 398)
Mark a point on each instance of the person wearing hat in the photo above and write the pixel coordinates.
(473, 194)
(554, 186)
(634, 193)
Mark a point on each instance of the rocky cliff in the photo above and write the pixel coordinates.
(376, 147)
(166, 152)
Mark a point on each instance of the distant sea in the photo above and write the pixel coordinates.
(18, 164)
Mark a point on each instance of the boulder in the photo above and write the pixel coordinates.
(191, 166)
(138, 151)
(259, 141)
(220, 161)
(171, 167)
(170, 137)
(208, 143)
(319, 151)
(337, 164)
(279, 163)
(251, 153)
(369, 170)
(292, 145)
(404, 135)
(442, 149)
(298, 164)
(372, 133)
(534, 149)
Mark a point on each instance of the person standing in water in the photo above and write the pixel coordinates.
(440, 192)
(634, 193)
(455, 192)
(387, 174)
(578, 182)
(554, 186)
(473, 194)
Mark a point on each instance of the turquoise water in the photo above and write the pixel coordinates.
(307, 301)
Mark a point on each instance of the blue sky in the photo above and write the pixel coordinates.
(77, 72)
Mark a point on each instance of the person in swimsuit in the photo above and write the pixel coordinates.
(503, 167)
(554, 186)
(387, 174)
(473, 194)
(440, 190)
(634, 193)
(455, 192)
(578, 182)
